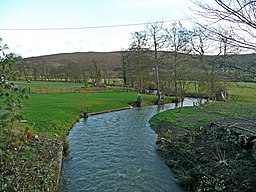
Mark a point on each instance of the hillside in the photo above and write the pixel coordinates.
(112, 59)
(79, 64)
(105, 60)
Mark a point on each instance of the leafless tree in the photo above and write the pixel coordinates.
(240, 15)
(233, 21)
(215, 71)
(157, 41)
(178, 39)
(137, 62)
(124, 65)
(97, 73)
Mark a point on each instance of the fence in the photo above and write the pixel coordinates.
(76, 90)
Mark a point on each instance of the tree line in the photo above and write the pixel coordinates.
(172, 60)
(65, 70)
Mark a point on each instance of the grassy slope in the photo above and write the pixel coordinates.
(55, 113)
(242, 102)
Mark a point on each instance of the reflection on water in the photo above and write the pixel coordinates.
(116, 152)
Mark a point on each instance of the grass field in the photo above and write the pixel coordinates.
(48, 84)
(51, 114)
(64, 85)
(242, 102)
(69, 87)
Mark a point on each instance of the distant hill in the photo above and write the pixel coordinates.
(71, 66)
(112, 60)
(110, 63)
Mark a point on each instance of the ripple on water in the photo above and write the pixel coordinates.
(116, 152)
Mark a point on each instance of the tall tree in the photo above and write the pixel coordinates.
(124, 66)
(157, 41)
(137, 59)
(178, 39)
(212, 78)
(97, 73)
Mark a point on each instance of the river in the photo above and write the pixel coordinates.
(117, 152)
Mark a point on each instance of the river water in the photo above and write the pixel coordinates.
(117, 152)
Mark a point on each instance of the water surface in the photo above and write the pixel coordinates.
(117, 152)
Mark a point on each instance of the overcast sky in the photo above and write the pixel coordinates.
(35, 14)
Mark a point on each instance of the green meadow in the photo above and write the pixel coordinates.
(48, 84)
(51, 114)
(242, 102)
(36, 86)
(49, 87)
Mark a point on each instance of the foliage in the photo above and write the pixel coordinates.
(19, 159)
(31, 167)
(10, 97)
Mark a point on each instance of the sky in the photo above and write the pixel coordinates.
(49, 14)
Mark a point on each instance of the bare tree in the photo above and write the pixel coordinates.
(124, 65)
(178, 38)
(157, 41)
(213, 74)
(97, 73)
(240, 15)
(137, 60)
(237, 15)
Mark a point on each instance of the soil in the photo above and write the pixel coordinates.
(217, 157)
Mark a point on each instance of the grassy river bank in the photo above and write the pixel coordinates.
(212, 147)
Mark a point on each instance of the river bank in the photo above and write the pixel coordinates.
(213, 158)
(212, 147)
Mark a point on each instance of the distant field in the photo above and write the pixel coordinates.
(49, 86)
(64, 87)
(52, 84)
